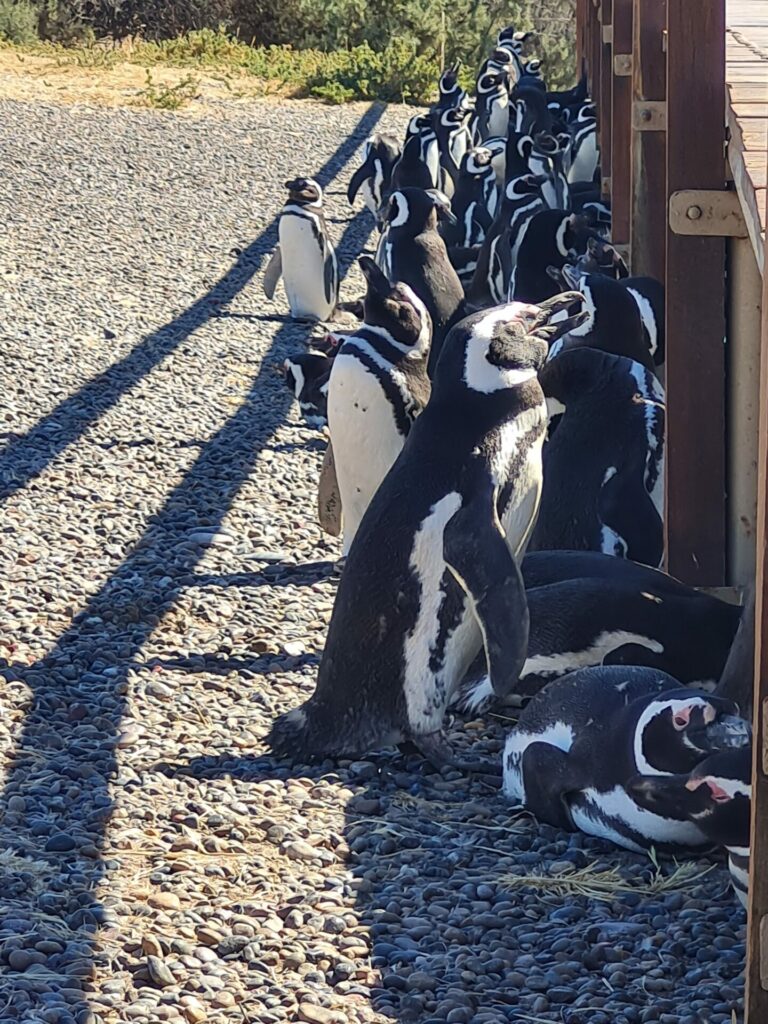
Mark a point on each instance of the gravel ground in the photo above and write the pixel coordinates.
(164, 592)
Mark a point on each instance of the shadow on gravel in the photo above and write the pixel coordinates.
(56, 801)
(26, 455)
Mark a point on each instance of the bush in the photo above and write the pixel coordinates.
(18, 21)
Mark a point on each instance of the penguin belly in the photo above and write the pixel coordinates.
(364, 435)
(498, 121)
(519, 516)
(585, 162)
(304, 268)
(614, 815)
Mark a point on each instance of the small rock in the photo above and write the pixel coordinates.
(60, 842)
(165, 901)
(159, 972)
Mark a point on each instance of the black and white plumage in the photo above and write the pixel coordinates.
(550, 240)
(716, 796)
(540, 568)
(491, 106)
(377, 386)
(304, 257)
(306, 374)
(432, 574)
(581, 623)
(648, 293)
(584, 151)
(450, 92)
(474, 201)
(604, 461)
(583, 737)
(546, 159)
(412, 251)
(374, 174)
(454, 139)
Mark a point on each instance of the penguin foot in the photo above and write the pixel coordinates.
(438, 751)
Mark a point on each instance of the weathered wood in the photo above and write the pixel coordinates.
(621, 129)
(756, 996)
(605, 119)
(695, 299)
(648, 232)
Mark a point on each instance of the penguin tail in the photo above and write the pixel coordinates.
(301, 736)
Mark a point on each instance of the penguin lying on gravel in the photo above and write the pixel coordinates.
(432, 573)
(603, 464)
(580, 623)
(377, 386)
(582, 738)
(374, 174)
(540, 568)
(716, 797)
(305, 257)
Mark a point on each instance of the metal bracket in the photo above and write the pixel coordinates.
(605, 187)
(607, 34)
(649, 116)
(706, 212)
(622, 64)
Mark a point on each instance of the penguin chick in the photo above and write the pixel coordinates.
(432, 574)
(604, 462)
(716, 796)
(377, 387)
(583, 737)
(304, 257)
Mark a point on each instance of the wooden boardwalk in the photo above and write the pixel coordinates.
(746, 73)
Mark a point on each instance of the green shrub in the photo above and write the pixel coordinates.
(18, 21)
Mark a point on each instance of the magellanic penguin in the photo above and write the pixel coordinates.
(648, 293)
(491, 106)
(546, 159)
(540, 568)
(306, 374)
(377, 386)
(581, 623)
(432, 574)
(716, 796)
(550, 239)
(604, 461)
(474, 201)
(451, 94)
(582, 738)
(413, 252)
(454, 140)
(304, 257)
(380, 155)
(584, 152)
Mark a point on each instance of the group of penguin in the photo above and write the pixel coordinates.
(496, 447)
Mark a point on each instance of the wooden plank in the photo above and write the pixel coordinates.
(621, 127)
(606, 76)
(648, 234)
(695, 299)
(756, 995)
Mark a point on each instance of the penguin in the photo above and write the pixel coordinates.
(380, 154)
(601, 258)
(498, 254)
(415, 254)
(530, 112)
(717, 797)
(451, 95)
(648, 293)
(475, 200)
(546, 159)
(550, 238)
(454, 139)
(604, 462)
(580, 623)
(585, 153)
(412, 169)
(377, 386)
(307, 374)
(540, 568)
(582, 738)
(432, 574)
(613, 323)
(491, 106)
(568, 99)
(304, 257)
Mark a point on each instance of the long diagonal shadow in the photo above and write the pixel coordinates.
(26, 456)
(56, 799)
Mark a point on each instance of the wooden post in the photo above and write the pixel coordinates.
(756, 996)
(593, 53)
(648, 234)
(621, 118)
(604, 122)
(695, 299)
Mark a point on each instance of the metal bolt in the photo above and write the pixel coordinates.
(645, 114)
(693, 212)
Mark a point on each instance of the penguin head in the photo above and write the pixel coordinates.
(396, 308)
(501, 348)
(715, 795)
(453, 118)
(416, 209)
(679, 728)
(449, 80)
(525, 185)
(602, 258)
(533, 68)
(491, 82)
(477, 161)
(304, 191)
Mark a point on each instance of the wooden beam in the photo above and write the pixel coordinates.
(621, 118)
(756, 996)
(604, 121)
(695, 299)
(648, 234)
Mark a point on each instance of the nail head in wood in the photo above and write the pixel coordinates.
(622, 64)
(649, 116)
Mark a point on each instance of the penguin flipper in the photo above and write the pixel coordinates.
(329, 511)
(547, 777)
(625, 507)
(361, 175)
(477, 554)
(273, 273)
(331, 278)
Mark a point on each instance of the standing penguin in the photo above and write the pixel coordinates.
(474, 202)
(717, 797)
(415, 254)
(304, 257)
(582, 738)
(454, 139)
(377, 387)
(432, 574)
(549, 240)
(604, 462)
(492, 106)
(450, 92)
(380, 155)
